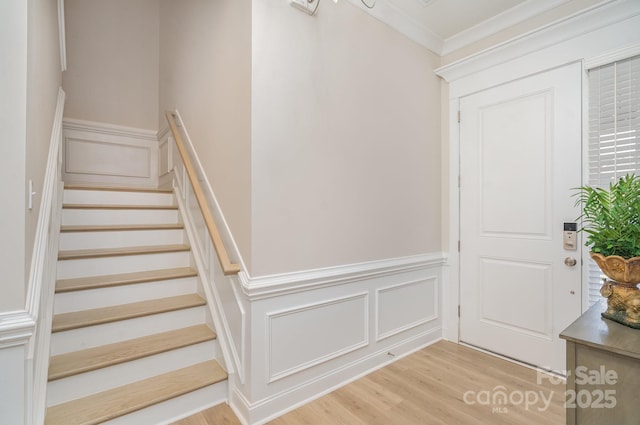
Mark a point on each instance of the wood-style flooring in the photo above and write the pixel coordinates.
(443, 384)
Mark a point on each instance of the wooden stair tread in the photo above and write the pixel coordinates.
(94, 282)
(69, 364)
(117, 188)
(118, 207)
(119, 227)
(101, 407)
(120, 251)
(80, 319)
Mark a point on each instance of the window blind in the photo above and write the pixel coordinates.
(614, 133)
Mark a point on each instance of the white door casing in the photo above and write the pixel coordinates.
(520, 156)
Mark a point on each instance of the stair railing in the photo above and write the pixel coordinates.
(228, 267)
(219, 275)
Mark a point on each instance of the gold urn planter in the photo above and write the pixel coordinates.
(620, 290)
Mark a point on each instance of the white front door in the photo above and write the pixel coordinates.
(520, 156)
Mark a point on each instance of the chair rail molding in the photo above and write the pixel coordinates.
(16, 328)
(256, 288)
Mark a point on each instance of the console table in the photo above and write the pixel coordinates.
(603, 370)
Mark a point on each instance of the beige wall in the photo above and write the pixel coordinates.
(112, 61)
(13, 90)
(205, 73)
(346, 140)
(29, 81)
(320, 135)
(44, 78)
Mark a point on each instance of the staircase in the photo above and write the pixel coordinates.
(132, 339)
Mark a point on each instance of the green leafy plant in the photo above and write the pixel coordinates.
(611, 218)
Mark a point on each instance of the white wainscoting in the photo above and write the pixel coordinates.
(14, 378)
(390, 320)
(294, 348)
(165, 166)
(314, 331)
(105, 154)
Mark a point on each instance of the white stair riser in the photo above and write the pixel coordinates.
(116, 239)
(68, 269)
(63, 390)
(171, 411)
(107, 217)
(117, 197)
(94, 336)
(105, 297)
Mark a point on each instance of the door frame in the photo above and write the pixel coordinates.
(598, 32)
(451, 280)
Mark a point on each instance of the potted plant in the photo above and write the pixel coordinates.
(611, 219)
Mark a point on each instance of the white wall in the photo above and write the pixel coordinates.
(112, 62)
(346, 140)
(205, 73)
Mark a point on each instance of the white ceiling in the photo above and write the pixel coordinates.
(446, 25)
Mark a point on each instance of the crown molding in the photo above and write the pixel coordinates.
(495, 24)
(398, 19)
(583, 22)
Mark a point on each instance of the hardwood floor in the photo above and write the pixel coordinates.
(444, 384)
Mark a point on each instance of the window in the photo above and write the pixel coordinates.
(614, 133)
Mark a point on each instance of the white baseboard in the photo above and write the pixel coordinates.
(268, 409)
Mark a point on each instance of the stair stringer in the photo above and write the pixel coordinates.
(42, 275)
(211, 279)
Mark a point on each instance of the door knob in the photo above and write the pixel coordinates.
(570, 261)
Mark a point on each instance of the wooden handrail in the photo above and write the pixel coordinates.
(228, 267)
